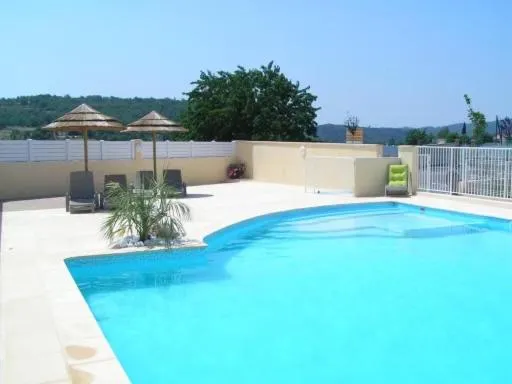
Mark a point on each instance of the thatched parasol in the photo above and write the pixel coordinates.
(83, 119)
(154, 122)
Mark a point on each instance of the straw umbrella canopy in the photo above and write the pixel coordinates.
(154, 122)
(84, 119)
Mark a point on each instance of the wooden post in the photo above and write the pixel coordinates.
(86, 155)
(154, 155)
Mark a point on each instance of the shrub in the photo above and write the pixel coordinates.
(151, 212)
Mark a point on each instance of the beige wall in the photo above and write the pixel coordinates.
(370, 175)
(281, 162)
(51, 178)
(409, 155)
(330, 174)
(362, 169)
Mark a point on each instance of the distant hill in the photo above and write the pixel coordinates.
(37, 111)
(335, 133)
(25, 113)
(21, 116)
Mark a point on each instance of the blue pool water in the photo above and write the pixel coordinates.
(369, 293)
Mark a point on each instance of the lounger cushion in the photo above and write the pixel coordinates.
(81, 185)
(398, 175)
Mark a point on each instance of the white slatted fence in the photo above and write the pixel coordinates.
(63, 150)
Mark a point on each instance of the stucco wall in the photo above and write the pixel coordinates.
(51, 178)
(281, 162)
(409, 155)
(370, 175)
(362, 170)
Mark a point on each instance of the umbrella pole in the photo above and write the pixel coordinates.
(154, 155)
(86, 155)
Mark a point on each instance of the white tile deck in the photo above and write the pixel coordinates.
(47, 331)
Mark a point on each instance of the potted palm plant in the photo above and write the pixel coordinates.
(153, 213)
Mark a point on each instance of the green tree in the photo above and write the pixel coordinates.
(452, 137)
(257, 104)
(443, 133)
(479, 123)
(16, 134)
(464, 140)
(418, 137)
(41, 134)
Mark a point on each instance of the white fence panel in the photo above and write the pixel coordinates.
(161, 150)
(62, 150)
(76, 150)
(212, 149)
(179, 148)
(12, 151)
(47, 150)
(116, 150)
(93, 149)
(482, 172)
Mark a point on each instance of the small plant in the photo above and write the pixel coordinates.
(152, 212)
(236, 171)
(505, 129)
(352, 123)
(478, 121)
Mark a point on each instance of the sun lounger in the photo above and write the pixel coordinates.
(81, 196)
(146, 180)
(398, 180)
(172, 177)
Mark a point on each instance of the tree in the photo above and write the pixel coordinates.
(478, 121)
(452, 137)
(16, 134)
(464, 140)
(41, 134)
(418, 137)
(443, 133)
(256, 104)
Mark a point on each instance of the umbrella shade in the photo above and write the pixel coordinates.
(154, 122)
(83, 119)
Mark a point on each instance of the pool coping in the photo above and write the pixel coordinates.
(71, 311)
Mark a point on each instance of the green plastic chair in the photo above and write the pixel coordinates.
(398, 180)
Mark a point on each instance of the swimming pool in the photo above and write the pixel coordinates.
(363, 293)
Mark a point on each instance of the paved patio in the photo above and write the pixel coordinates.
(48, 334)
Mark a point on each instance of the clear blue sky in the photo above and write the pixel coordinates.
(392, 63)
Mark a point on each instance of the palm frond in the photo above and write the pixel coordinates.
(145, 213)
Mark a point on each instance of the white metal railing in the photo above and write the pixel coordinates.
(483, 172)
(12, 151)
